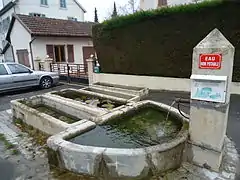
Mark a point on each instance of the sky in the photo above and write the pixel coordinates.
(104, 8)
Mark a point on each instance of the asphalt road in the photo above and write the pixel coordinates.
(5, 98)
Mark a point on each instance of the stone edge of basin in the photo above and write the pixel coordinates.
(39, 120)
(140, 92)
(141, 161)
(93, 110)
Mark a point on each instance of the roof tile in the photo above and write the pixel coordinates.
(41, 26)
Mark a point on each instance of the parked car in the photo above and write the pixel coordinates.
(17, 76)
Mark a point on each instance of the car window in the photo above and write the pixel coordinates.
(16, 69)
(3, 70)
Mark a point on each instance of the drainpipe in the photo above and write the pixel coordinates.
(30, 45)
(11, 46)
(12, 52)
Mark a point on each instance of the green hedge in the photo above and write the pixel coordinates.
(160, 42)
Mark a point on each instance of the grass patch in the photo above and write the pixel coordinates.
(15, 152)
(2, 137)
(7, 144)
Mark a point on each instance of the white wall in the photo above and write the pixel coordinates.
(39, 46)
(20, 39)
(53, 9)
(178, 2)
(4, 2)
(148, 4)
(2, 31)
(152, 82)
(153, 4)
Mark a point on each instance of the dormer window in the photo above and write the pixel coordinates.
(63, 4)
(44, 2)
(72, 18)
(37, 15)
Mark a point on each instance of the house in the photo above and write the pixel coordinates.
(153, 4)
(32, 38)
(60, 9)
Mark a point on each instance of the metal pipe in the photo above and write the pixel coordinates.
(181, 100)
(30, 45)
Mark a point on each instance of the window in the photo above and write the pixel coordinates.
(3, 70)
(63, 4)
(37, 15)
(17, 69)
(72, 18)
(44, 2)
(59, 52)
(70, 51)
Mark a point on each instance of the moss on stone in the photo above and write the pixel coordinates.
(38, 136)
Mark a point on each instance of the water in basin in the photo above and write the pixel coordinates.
(89, 99)
(141, 128)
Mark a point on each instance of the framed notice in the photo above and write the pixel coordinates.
(212, 90)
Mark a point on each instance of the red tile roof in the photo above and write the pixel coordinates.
(41, 26)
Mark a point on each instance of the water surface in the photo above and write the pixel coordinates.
(56, 113)
(143, 128)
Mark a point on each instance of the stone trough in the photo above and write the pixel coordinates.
(118, 163)
(136, 91)
(24, 109)
(93, 103)
(124, 92)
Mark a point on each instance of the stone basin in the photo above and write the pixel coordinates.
(127, 160)
(51, 115)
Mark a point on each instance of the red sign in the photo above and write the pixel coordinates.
(210, 61)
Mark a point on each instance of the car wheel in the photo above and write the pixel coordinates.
(46, 82)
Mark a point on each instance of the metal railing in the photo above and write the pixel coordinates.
(69, 70)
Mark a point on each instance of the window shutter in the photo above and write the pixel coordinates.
(70, 53)
(50, 52)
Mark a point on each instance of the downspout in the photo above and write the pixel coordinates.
(30, 45)
(11, 46)
(12, 52)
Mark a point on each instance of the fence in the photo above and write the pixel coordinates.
(70, 72)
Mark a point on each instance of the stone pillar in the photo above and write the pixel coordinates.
(210, 96)
(90, 70)
(47, 64)
(37, 62)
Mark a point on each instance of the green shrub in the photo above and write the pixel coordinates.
(160, 42)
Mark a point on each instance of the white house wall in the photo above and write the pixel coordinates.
(53, 9)
(39, 46)
(20, 39)
(178, 2)
(148, 4)
(153, 4)
(3, 31)
(5, 2)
